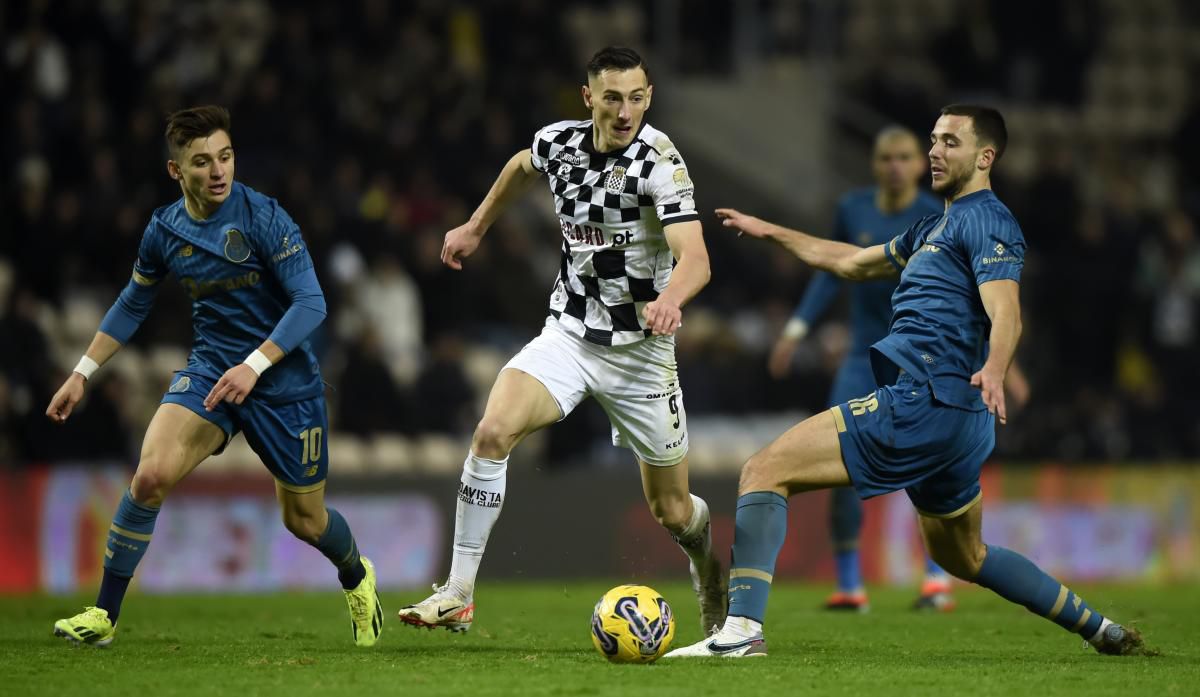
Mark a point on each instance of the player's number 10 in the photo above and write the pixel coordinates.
(310, 444)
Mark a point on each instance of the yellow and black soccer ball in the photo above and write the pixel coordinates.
(632, 624)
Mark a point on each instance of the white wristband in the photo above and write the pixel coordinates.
(258, 362)
(796, 328)
(86, 367)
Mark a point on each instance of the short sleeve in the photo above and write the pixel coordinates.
(149, 267)
(994, 245)
(283, 247)
(670, 188)
(543, 141)
(901, 246)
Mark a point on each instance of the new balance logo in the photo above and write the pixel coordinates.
(479, 497)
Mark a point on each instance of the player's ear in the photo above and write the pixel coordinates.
(986, 157)
(649, 94)
(587, 96)
(173, 170)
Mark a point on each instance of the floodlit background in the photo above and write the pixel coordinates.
(380, 125)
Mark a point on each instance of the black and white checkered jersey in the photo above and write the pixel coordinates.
(612, 207)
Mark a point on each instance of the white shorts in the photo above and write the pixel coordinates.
(637, 385)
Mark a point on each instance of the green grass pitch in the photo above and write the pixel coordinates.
(532, 639)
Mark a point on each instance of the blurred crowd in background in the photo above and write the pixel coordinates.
(380, 125)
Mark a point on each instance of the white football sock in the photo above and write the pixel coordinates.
(742, 627)
(1099, 635)
(480, 498)
(696, 537)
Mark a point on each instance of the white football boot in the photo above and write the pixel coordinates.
(442, 609)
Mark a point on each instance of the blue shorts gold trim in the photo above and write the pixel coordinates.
(901, 437)
(289, 437)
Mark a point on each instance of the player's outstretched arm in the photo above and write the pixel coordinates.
(839, 258)
(99, 351)
(516, 177)
(1001, 301)
(691, 273)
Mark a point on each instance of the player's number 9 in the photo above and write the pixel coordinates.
(673, 405)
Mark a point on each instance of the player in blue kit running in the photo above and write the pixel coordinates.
(931, 424)
(865, 217)
(255, 300)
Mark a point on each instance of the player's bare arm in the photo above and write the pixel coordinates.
(842, 259)
(1001, 301)
(238, 382)
(516, 177)
(686, 241)
(102, 348)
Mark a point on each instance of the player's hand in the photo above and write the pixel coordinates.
(1017, 388)
(64, 401)
(460, 243)
(744, 224)
(663, 316)
(234, 386)
(779, 365)
(992, 384)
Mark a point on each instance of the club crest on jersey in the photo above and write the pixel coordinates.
(615, 182)
(236, 248)
(181, 385)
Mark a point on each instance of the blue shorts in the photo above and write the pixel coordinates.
(289, 437)
(900, 437)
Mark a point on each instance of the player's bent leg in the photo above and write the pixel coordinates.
(176, 441)
(806, 457)
(956, 544)
(686, 518)
(518, 405)
(306, 516)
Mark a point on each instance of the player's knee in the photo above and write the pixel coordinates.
(150, 486)
(960, 562)
(757, 475)
(493, 439)
(672, 511)
(305, 527)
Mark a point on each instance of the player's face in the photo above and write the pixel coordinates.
(954, 154)
(898, 163)
(204, 170)
(618, 100)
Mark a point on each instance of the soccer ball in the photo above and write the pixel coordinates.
(632, 624)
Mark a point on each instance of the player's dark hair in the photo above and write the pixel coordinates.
(186, 125)
(987, 122)
(616, 58)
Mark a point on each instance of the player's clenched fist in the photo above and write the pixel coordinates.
(461, 243)
(663, 317)
(234, 386)
(66, 398)
(748, 224)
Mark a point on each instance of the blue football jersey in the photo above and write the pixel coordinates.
(939, 330)
(860, 222)
(232, 265)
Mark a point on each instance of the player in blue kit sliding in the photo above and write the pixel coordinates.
(867, 216)
(931, 424)
(255, 300)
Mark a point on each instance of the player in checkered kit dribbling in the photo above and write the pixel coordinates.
(633, 254)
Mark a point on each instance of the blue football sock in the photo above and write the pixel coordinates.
(1016, 579)
(932, 569)
(759, 529)
(845, 523)
(338, 545)
(849, 576)
(128, 538)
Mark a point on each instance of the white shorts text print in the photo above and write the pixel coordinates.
(637, 385)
